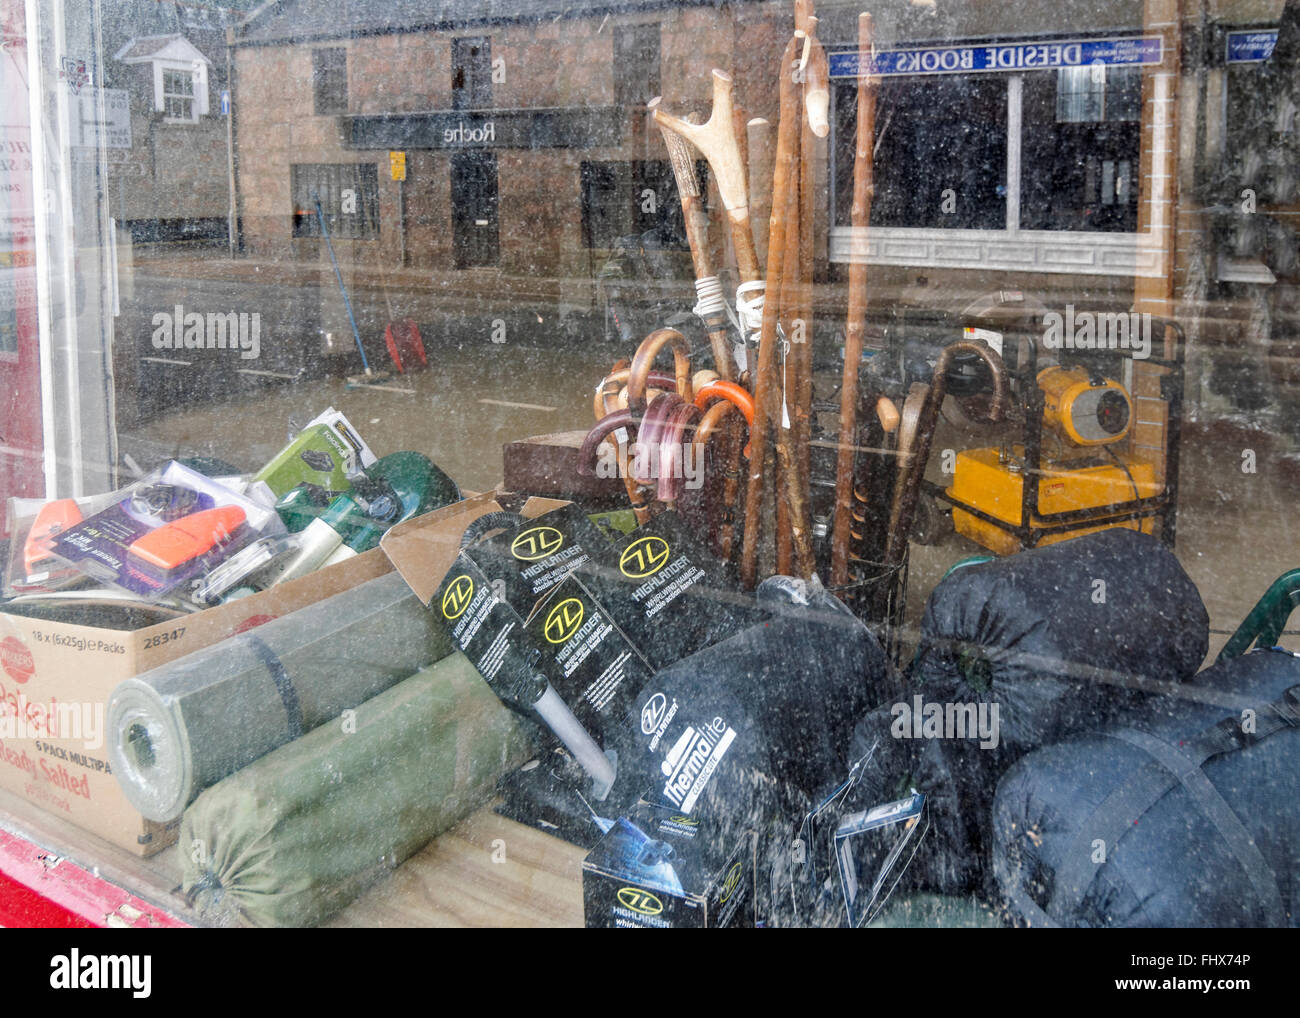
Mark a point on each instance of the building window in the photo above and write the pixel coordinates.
(636, 64)
(329, 77)
(947, 154)
(178, 95)
(471, 74)
(941, 153)
(634, 199)
(1080, 143)
(349, 198)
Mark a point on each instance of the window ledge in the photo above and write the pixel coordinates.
(1090, 254)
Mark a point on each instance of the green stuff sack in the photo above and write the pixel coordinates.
(297, 835)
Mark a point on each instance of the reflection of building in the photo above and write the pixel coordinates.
(524, 134)
(1059, 149)
(164, 74)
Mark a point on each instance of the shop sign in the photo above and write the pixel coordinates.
(1018, 56)
(583, 127)
(1250, 47)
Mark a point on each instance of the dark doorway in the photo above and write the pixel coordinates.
(474, 208)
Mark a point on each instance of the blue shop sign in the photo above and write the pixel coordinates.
(1251, 47)
(1018, 56)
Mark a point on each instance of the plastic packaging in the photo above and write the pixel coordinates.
(175, 730)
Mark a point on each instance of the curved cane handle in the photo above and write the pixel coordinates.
(639, 375)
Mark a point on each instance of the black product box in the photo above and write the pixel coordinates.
(589, 663)
(526, 561)
(666, 591)
(514, 614)
(656, 868)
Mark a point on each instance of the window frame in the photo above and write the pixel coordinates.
(1078, 252)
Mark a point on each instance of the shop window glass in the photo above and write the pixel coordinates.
(941, 153)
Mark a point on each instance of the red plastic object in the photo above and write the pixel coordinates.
(403, 339)
(40, 889)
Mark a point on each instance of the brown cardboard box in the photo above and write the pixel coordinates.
(56, 679)
(423, 549)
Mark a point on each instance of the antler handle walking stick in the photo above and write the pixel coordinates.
(716, 140)
(710, 307)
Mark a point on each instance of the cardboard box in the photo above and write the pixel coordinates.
(56, 679)
(656, 868)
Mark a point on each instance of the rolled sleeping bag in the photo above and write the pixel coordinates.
(183, 726)
(1014, 654)
(1056, 635)
(1186, 814)
(297, 835)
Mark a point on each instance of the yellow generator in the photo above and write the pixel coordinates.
(1072, 470)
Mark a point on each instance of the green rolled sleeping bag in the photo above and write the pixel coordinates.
(297, 835)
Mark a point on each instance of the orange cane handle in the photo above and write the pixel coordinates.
(639, 375)
(735, 394)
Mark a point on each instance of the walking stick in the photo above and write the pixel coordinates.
(787, 135)
(716, 140)
(863, 191)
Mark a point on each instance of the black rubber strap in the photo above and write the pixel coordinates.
(1114, 817)
(283, 685)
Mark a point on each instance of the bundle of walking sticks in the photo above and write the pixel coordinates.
(751, 415)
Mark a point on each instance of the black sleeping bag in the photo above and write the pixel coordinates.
(1187, 814)
(1015, 654)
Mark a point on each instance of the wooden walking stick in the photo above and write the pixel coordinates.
(863, 190)
(764, 402)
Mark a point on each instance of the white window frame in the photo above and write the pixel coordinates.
(198, 73)
(1012, 249)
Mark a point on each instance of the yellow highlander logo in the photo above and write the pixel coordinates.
(640, 901)
(456, 598)
(729, 885)
(564, 620)
(643, 558)
(536, 543)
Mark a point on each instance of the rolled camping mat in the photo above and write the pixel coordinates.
(296, 836)
(183, 726)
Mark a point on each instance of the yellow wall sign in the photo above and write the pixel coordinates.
(397, 163)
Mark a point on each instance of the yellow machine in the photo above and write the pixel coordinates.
(1083, 483)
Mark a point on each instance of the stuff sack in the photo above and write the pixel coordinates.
(1025, 652)
(1015, 654)
(296, 836)
(1056, 635)
(1187, 814)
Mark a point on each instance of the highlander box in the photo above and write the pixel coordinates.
(657, 868)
